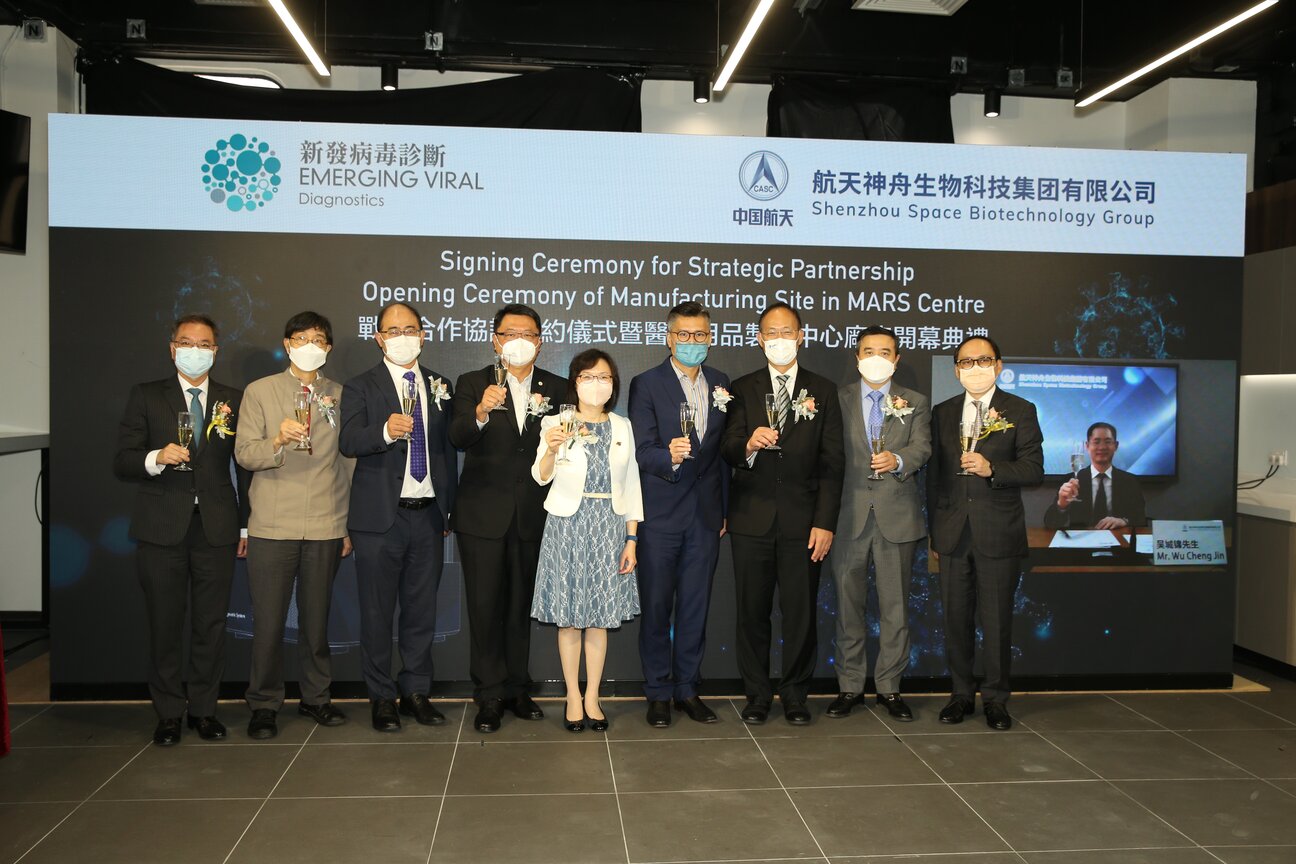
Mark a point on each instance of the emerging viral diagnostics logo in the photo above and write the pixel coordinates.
(241, 172)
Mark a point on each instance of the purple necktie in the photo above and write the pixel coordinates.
(418, 438)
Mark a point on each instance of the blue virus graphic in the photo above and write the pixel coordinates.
(1118, 319)
(226, 297)
(241, 173)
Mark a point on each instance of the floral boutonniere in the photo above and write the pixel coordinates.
(804, 407)
(539, 405)
(994, 422)
(222, 416)
(440, 392)
(721, 398)
(327, 406)
(897, 407)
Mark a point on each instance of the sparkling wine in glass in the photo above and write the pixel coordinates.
(566, 420)
(407, 403)
(1079, 458)
(688, 422)
(771, 414)
(302, 410)
(500, 372)
(969, 432)
(184, 435)
(877, 444)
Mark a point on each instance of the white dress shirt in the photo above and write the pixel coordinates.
(520, 390)
(1107, 486)
(200, 422)
(411, 488)
(774, 385)
(969, 409)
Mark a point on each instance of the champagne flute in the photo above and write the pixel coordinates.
(500, 371)
(771, 414)
(184, 434)
(407, 404)
(688, 422)
(969, 432)
(302, 410)
(566, 420)
(1079, 458)
(877, 444)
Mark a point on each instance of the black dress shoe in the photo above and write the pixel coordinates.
(997, 716)
(385, 718)
(209, 728)
(167, 732)
(957, 709)
(842, 705)
(416, 705)
(755, 712)
(659, 713)
(525, 708)
(488, 716)
(262, 726)
(326, 714)
(599, 725)
(574, 725)
(696, 710)
(796, 713)
(895, 706)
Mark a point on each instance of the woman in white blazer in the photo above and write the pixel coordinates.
(585, 582)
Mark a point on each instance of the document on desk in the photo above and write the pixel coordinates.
(1083, 540)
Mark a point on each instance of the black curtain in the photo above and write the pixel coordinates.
(800, 108)
(579, 99)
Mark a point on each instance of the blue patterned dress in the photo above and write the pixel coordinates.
(577, 583)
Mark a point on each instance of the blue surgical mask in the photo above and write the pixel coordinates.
(690, 353)
(194, 362)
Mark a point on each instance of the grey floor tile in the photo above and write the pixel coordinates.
(1206, 711)
(1289, 785)
(1255, 854)
(1186, 855)
(628, 723)
(1144, 755)
(893, 821)
(21, 825)
(147, 832)
(861, 721)
(538, 768)
(1280, 702)
(359, 726)
(1075, 712)
(514, 730)
(1059, 816)
(386, 830)
(1221, 812)
(926, 711)
(293, 728)
(669, 766)
(88, 724)
(544, 829)
(711, 826)
(996, 758)
(974, 858)
(22, 712)
(1265, 753)
(872, 760)
(58, 773)
(367, 769)
(228, 771)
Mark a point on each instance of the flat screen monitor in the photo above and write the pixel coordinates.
(15, 157)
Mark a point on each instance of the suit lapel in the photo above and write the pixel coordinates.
(383, 381)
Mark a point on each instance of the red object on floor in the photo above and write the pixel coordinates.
(4, 705)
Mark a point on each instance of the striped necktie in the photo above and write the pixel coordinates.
(783, 401)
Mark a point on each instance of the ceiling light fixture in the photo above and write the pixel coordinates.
(1181, 50)
(701, 88)
(286, 17)
(992, 103)
(740, 47)
(389, 77)
(244, 80)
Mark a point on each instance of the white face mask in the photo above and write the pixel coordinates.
(402, 350)
(194, 362)
(518, 352)
(876, 369)
(977, 380)
(780, 352)
(308, 357)
(594, 392)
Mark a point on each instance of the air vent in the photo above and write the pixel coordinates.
(910, 7)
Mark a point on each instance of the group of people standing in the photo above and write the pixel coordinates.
(571, 514)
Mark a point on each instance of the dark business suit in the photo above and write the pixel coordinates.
(679, 539)
(499, 520)
(978, 526)
(186, 550)
(772, 506)
(1124, 500)
(399, 550)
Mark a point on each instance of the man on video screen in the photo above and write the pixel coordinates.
(1099, 496)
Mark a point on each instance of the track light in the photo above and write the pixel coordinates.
(701, 88)
(389, 80)
(286, 17)
(1181, 50)
(992, 103)
(740, 47)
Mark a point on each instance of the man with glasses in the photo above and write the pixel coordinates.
(1103, 497)
(402, 495)
(187, 520)
(685, 487)
(978, 524)
(499, 517)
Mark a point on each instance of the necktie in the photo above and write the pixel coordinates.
(875, 414)
(1100, 508)
(196, 409)
(783, 401)
(418, 438)
(980, 413)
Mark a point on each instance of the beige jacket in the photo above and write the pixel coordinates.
(295, 495)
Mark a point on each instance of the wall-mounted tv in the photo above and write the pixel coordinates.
(15, 157)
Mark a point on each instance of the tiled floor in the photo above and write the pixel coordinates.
(1087, 779)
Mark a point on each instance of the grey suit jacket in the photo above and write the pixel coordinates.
(895, 499)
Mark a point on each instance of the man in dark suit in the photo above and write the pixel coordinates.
(1102, 497)
(978, 525)
(499, 517)
(783, 508)
(685, 490)
(186, 520)
(402, 495)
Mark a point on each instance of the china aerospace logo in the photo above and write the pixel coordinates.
(763, 175)
(241, 172)
(1007, 378)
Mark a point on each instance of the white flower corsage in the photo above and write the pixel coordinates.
(804, 407)
(440, 392)
(994, 422)
(539, 405)
(721, 398)
(327, 406)
(583, 435)
(897, 407)
(222, 417)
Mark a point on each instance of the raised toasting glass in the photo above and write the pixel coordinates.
(1079, 458)
(876, 445)
(302, 410)
(688, 422)
(184, 435)
(407, 404)
(771, 414)
(969, 433)
(567, 420)
(500, 370)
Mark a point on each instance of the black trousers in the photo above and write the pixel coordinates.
(197, 575)
(976, 586)
(499, 580)
(761, 563)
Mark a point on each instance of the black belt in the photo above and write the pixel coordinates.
(415, 503)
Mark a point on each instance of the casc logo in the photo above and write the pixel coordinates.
(241, 172)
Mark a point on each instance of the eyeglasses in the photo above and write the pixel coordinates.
(785, 333)
(692, 335)
(518, 334)
(588, 379)
(185, 343)
(969, 362)
(318, 341)
(394, 332)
